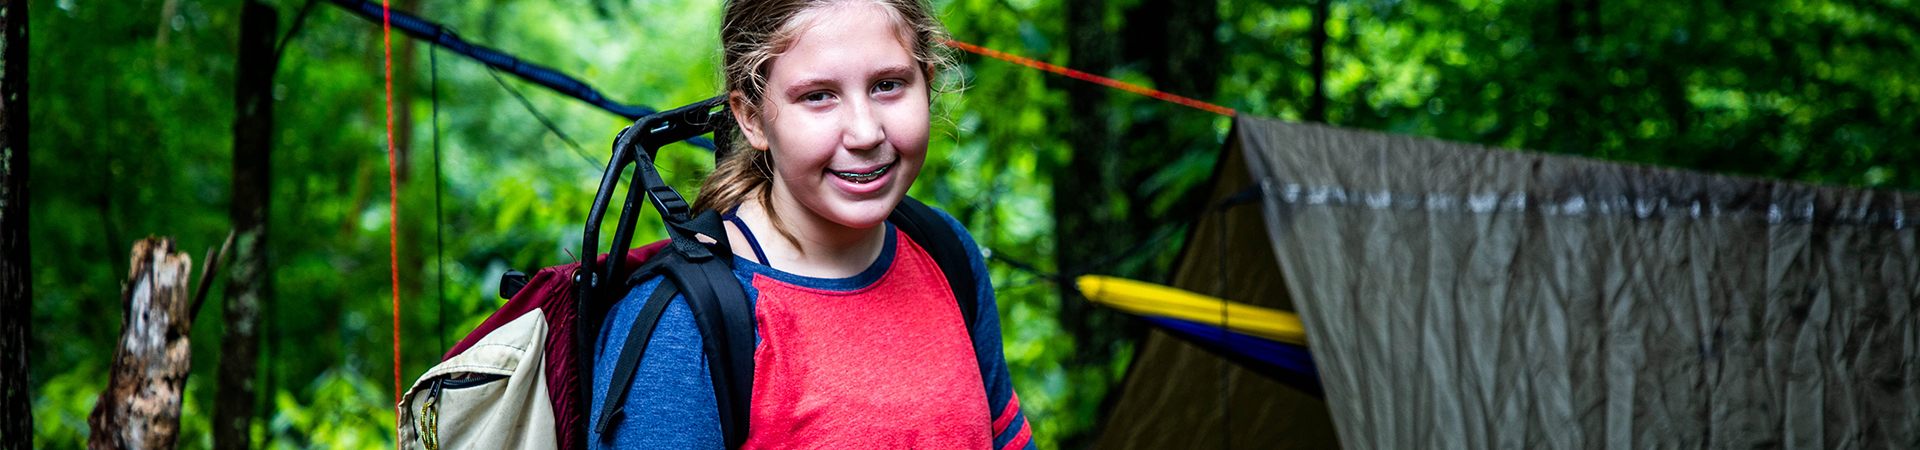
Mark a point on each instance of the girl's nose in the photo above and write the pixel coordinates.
(861, 129)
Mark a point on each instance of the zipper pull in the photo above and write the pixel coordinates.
(429, 423)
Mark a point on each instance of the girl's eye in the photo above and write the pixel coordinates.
(816, 96)
(886, 86)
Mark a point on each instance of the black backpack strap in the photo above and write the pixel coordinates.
(927, 228)
(702, 274)
(637, 339)
(725, 318)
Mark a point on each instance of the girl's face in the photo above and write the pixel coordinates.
(846, 117)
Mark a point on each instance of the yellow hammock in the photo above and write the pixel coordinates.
(1148, 299)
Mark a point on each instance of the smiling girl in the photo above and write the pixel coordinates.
(860, 341)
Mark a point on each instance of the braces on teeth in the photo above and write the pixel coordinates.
(863, 177)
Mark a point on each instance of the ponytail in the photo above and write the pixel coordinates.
(740, 173)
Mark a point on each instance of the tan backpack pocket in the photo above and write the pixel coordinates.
(493, 395)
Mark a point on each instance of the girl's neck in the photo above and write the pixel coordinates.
(826, 249)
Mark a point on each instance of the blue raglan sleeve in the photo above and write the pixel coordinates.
(670, 403)
(1010, 428)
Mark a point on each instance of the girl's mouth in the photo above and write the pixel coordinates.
(863, 178)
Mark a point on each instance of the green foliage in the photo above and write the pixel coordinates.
(346, 411)
(1820, 91)
(132, 111)
(60, 410)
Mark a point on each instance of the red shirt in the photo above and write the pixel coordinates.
(885, 365)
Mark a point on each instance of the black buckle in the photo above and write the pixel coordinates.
(669, 202)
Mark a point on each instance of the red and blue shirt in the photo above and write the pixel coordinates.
(882, 359)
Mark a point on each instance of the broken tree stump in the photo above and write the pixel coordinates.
(141, 407)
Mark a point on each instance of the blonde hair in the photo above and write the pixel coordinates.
(756, 32)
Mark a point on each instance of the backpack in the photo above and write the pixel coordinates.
(522, 378)
(514, 380)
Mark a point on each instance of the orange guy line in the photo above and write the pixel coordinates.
(1096, 79)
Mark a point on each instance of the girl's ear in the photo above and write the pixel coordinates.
(749, 124)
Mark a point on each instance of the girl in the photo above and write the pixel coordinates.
(859, 340)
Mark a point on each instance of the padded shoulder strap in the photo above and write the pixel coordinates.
(725, 319)
(928, 229)
(722, 313)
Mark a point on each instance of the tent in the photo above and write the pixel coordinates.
(1461, 296)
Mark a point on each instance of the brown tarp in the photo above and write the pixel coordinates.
(1173, 396)
(1459, 296)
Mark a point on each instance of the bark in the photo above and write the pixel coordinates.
(141, 406)
(248, 282)
(16, 282)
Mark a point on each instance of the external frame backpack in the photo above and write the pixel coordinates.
(522, 379)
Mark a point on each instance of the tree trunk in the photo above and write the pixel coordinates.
(1317, 103)
(1081, 186)
(1568, 110)
(16, 282)
(1173, 41)
(247, 286)
(411, 263)
(141, 407)
(403, 96)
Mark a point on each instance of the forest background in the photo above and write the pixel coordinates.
(133, 123)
